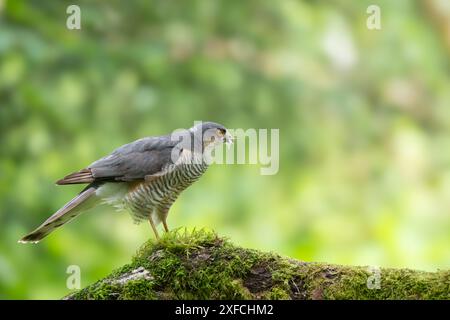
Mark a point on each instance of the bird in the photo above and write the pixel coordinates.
(144, 177)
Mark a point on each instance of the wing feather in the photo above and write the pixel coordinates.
(131, 162)
(82, 176)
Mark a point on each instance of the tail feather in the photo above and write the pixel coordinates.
(82, 176)
(70, 210)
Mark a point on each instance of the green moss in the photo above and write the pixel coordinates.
(277, 293)
(99, 291)
(138, 290)
(200, 265)
(197, 265)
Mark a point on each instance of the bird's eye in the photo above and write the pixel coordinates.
(213, 138)
(222, 132)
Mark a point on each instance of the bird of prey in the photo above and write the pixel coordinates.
(145, 176)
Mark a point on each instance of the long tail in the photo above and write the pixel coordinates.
(83, 201)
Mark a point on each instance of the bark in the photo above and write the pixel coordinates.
(200, 265)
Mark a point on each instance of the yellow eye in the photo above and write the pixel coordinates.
(221, 132)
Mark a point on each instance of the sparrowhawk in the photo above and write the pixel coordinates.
(145, 176)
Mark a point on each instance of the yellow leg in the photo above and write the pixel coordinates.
(153, 227)
(166, 228)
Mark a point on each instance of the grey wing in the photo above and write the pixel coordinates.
(133, 161)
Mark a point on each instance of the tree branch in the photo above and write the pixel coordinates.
(200, 265)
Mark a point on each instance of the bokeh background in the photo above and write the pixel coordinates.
(364, 119)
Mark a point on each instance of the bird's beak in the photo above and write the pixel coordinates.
(228, 138)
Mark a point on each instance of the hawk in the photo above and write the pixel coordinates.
(145, 176)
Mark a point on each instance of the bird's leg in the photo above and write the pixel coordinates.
(166, 228)
(153, 227)
(163, 214)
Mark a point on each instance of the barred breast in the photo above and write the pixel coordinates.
(154, 198)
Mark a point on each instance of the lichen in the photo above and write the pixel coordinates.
(201, 265)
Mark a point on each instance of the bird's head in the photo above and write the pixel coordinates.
(212, 134)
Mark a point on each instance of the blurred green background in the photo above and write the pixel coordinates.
(364, 119)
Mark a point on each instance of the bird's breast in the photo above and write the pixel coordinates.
(159, 194)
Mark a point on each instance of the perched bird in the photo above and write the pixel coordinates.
(145, 176)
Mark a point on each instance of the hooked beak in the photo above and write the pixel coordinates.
(228, 138)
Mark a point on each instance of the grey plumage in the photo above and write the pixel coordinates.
(130, 162)
(69, 211)
(145, 176)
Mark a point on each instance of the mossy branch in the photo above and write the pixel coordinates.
(200, 265)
